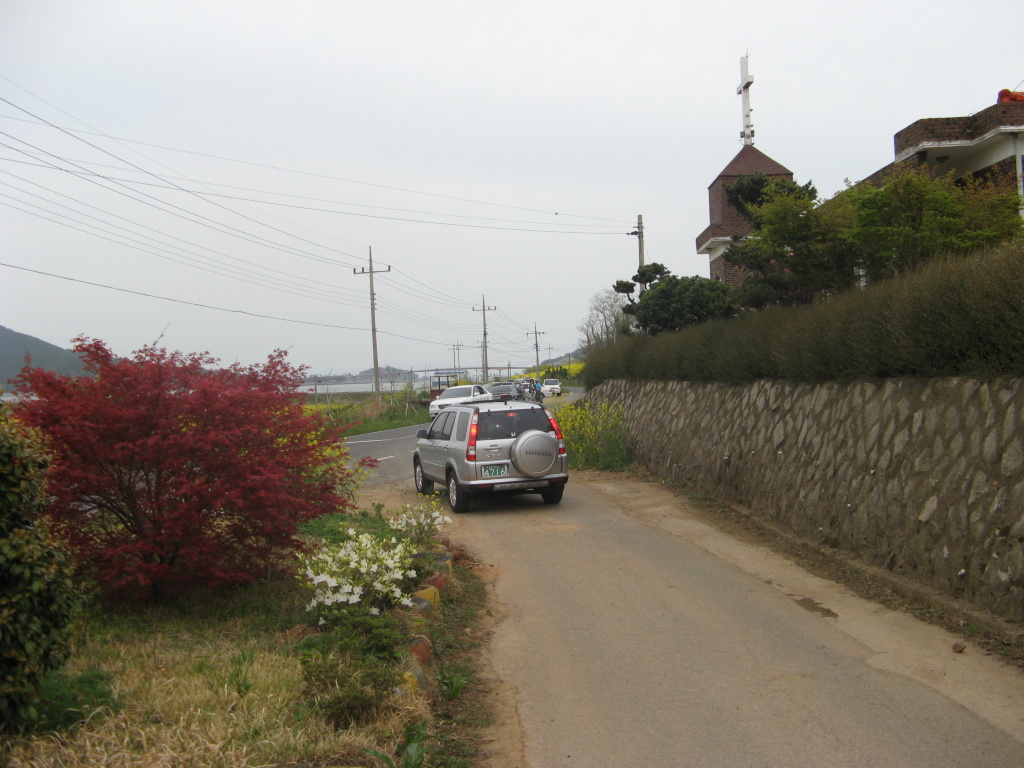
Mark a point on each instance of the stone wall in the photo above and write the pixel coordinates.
(925, 478)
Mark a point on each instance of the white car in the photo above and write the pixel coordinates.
(551, 387)
(463, 393)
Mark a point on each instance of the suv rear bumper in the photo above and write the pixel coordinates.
(513, 484)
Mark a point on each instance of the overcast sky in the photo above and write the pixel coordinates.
(245, 156)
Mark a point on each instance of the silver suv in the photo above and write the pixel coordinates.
(477, 449)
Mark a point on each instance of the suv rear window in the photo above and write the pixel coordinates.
(497, 425)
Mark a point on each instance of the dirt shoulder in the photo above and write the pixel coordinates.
(996, 635)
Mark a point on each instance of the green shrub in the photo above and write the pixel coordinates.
(356, 630)
(37, 596)
(595, 436)
(955, 317)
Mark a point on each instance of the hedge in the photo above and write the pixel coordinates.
(953, 317)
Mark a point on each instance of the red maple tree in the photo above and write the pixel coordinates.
(170, 473)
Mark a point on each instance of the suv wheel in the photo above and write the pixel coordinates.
(553, 495)
(458, 499)
(424, 486)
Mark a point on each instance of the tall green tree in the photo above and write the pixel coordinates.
(800, 248)
(803, 248)
(670, 302)
(755, 189)
(914, 217)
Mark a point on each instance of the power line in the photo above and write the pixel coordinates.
(299, 197)
(218, 309)
(143, 226)
(167, 182)
(400, 312)
(83, 173)
(95, 132)
(423, 284)
(144, 247)
(398, 287)
(227, 230)
(155, 176)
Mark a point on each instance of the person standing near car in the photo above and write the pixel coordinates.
(538, 392)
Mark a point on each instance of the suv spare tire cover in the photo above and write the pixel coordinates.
(534, 453)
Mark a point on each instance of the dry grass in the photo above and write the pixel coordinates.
(205, 691)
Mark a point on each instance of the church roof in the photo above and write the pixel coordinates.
(750, 160)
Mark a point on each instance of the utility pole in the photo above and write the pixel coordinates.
(456, 347)
(483, 349)
(373, 319)
(639, 234)
(640, 237)
(536, 343)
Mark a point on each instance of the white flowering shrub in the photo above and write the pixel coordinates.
(365, 570)
(420, 524)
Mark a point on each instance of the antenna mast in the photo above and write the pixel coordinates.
(746, 80)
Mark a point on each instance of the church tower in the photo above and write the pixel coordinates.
(726, 221)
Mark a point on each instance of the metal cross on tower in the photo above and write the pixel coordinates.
(746, 80)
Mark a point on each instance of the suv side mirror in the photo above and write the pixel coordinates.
(421, 434)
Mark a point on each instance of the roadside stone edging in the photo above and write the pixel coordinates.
(426, 608)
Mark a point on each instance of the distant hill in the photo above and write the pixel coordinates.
(15, 346)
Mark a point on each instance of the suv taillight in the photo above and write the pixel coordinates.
(558, 432)
(471, 444)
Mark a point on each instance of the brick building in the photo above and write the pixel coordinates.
(726, 221)
(985, 143)
(988, 142)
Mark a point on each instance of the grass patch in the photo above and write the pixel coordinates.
(333, 529)
(65, 700)
(213, 680)
(244, 677)
(377, 417)
(361, 415)
(463, 705)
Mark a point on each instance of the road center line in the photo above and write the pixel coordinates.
(379, 440)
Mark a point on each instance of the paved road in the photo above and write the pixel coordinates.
(392, 448)
(634, 635)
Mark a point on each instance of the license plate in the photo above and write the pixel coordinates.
(495, 470)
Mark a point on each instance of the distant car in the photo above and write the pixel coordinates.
(551, 387)
(503, 391)
(464, 393)
(481, 449)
